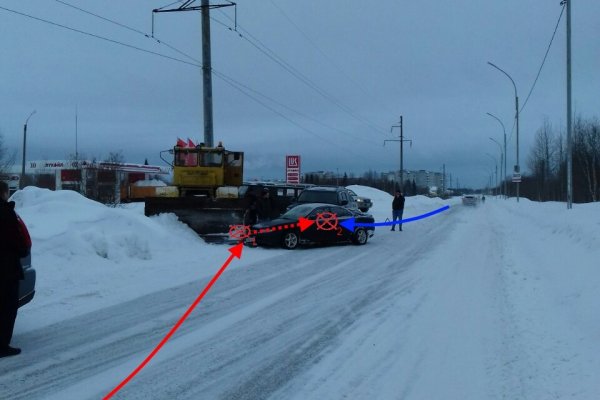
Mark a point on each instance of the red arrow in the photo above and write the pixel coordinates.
(304, 223)
(236, 251)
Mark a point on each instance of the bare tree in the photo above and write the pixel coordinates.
(7, 159)
(541, 160)
(586, 152)
(115, 157)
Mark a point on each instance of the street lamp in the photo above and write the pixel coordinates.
(517, 168)
(504, 131)
(22, 182)
(496, 168)
(501, 159)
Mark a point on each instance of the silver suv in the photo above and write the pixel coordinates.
(338, 195)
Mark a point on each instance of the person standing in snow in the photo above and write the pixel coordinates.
(264, 206)
(13, 246)
(397, 210)
(251, 213)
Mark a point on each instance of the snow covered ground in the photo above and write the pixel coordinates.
(497, 301)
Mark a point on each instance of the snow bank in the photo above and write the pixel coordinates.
(414, 205)
(88, 255)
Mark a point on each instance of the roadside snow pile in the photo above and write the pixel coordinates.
(88, 255)
(414, 205)
(66, 225)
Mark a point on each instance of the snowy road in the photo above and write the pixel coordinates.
(449, 308)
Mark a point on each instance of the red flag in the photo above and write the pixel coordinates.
(180, 143)
(190, 143)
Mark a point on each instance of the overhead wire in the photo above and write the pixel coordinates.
(98, 36)
(324, 54)
(245, 93)
(545, 56)
(291, 109)
(539, 71)
(230, 81)
(264, 49)
(152, 37)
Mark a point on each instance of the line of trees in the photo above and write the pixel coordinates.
(376, 180)
(547, 162)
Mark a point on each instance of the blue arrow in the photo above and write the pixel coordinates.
(350, 224)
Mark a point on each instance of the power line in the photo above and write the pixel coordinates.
(260, 46)
(99, 37)
(237, 85)
(545, 56)
(148, 36)
(245, 93)
(323, 53)
(289, 108)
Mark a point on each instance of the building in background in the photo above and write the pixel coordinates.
(106, 182)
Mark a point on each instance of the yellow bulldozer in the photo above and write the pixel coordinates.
(208, 191)
(205, 193)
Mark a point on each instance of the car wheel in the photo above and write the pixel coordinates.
(290, 240)
(360, 236)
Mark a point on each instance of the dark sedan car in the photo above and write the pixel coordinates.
(324, 222)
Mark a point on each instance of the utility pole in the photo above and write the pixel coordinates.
(76, 153)
(22, 181)
(569, 112)
(444, 180)
(401, 140)
(205, 7)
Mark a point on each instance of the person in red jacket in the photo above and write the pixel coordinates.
(13, 246)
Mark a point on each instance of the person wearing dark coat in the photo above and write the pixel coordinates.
(397, 210)
(265, 208)
(251, 213)
(13, 246)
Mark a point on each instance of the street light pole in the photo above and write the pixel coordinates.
(22, 181)
(501, 159)
(496, 168)
(504, 132)
(517, 168)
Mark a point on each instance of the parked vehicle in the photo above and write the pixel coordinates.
(469, 200)
(363, 203)
(336, 195)
(27, 285)
(284, 231)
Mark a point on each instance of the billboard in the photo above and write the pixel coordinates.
(292, 169)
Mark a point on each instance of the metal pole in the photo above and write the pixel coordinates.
(207, 75)
(401, 140)
(569, 113)
(517, 168)
(22, 181)
(495, 166)
(401, 156)
(504, 133)
(501, 159)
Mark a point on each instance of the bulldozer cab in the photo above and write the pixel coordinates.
(201, 170)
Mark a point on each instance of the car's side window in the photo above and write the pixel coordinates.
(313, 214)
(341, 212)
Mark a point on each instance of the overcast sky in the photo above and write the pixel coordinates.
(359, 65)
